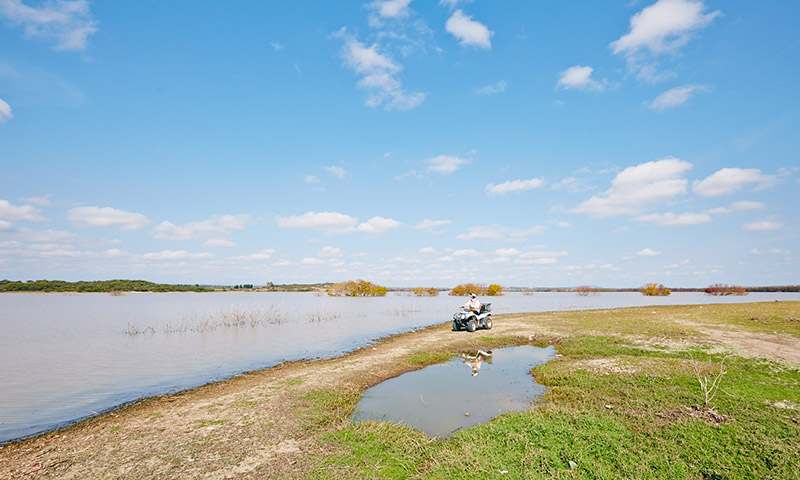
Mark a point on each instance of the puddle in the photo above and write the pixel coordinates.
(465, 391)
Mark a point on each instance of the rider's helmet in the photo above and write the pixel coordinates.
(472, 295)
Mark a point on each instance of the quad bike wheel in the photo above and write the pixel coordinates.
(488, 323)
(471, 325)
(455, 326)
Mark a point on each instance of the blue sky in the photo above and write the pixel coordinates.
(405, 142)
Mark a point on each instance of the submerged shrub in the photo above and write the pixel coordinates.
(724, 289)
(477, 289)
(654, 290)
(357, 288)
(426, 292)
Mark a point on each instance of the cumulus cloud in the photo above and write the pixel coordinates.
(222, 224)
(432, 224)
(378, 75)
(514, 186)
(379, 225)
(337, 172)
(669, 219)
(493, 89)
(675, 97)
(5, 111)
(428, 251)
(16, 213)
(177, 255)
(311, 179)
(771, 251)
(506, 252)
(729, 180)
(331, 223)
(578, 77)
(467, 252)
(69, 23)
(445, 164)
(312, 261)
(391, 8)
(739, 206)
(762, 226)
(637, 187)
(468, 31)
(107, 217)
(330, 252)
(664, 26)
(539, 258)
(481, 233)
(219, 243)
(648, 252)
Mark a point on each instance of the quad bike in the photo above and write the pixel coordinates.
(472, 320)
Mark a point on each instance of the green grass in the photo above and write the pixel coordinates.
(656, 426)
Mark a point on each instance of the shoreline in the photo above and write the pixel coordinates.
(268, 420)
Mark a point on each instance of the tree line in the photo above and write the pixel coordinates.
(100, 286)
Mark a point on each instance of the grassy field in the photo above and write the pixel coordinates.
(624, 400)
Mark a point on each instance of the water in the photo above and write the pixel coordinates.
(65, 357)
(442, 399)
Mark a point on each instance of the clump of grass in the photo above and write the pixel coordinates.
(402, 310)
(429, 358)
(323, 316)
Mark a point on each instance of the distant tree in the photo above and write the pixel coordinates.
(494, 290)
(467, 288)
(425, 292)
(357, 288)
(721, 289)
(654, 290)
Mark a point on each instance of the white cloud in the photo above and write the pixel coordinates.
(69, 23)
(107, 217)
(559, 223)
(330, 252)
(445, 164)
(468, 31)
(311, 179)
(391, 8)
(378, 225)
(739, 206)
(329, 222)
(636, 187)
(177, 255)
(663, 27)
(669, 219)
(312, 261)
(264, 254)
(337, 172)
(648, 252)
(222, 224)
(5, 111)
(481, 233)
(578, 77)
(43, 201)
(379, 75)
(535, 230)
(675, 97)
(432, 224)
(467, 252)
(729, 180)
(764, 225)
(772, 251)
(16, 213)
(506, 252)
(428, 251)
(277, 46)
(514, 186)
(219, 243)
(493, 89)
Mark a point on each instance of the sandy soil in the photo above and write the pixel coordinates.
(262, 424)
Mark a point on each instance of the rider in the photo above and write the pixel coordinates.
(473, 304)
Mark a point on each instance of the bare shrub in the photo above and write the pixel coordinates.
(722, 289)
(654, 290)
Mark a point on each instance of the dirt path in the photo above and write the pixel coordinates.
(263, 424)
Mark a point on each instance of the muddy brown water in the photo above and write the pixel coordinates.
(465, 391)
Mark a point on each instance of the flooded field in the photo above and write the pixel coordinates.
(465, 391)
(67, 357)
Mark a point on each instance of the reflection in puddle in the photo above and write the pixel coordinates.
(444, 398)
